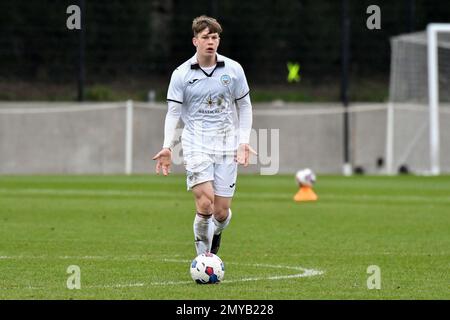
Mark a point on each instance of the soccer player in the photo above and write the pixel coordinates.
(205, 91)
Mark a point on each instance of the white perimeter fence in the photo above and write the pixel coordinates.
(122, 137)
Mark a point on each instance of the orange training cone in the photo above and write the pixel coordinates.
(305, 194)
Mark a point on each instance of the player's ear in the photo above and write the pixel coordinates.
(194, 41)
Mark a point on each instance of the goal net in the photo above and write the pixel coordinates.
(418, 126)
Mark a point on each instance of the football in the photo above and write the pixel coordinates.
(305, 177)
(207, 268)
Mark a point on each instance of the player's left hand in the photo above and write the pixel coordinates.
(243, 154)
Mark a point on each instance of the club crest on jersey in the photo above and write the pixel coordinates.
(225, 80)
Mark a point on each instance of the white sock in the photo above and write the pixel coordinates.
(219, 226)
(203, 233)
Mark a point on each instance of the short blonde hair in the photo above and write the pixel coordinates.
(202, 22)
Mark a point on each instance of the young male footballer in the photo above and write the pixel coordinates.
(211, 95)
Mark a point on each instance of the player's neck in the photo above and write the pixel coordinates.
(206, 61)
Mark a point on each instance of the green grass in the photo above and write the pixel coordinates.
(132, 236)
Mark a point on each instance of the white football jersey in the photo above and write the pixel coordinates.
(209, 104)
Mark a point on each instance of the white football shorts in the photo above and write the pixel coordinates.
(220, 169)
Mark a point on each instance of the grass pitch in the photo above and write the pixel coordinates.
(132, 238)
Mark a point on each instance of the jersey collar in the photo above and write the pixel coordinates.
(195, 66)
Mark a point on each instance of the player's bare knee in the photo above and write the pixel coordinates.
(205, 204)
(221, 213)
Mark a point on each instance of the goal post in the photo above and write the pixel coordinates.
(433, 92)
(419, 88)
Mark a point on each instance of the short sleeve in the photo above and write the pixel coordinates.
(175, 91)
(241, 88)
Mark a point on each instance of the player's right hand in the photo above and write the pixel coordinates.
(243, 154)
(163, 161)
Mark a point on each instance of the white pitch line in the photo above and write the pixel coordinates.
(305, 273)
(127, 285)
